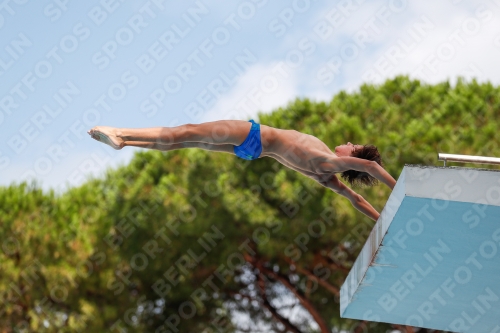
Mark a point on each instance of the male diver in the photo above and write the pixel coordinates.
(249, 140)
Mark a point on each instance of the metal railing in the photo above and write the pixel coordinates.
(467, 159)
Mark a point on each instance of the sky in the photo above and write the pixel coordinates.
(66, 66)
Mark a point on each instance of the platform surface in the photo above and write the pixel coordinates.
(433, 258)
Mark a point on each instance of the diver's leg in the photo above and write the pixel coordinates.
(231, 132)
(224, 148)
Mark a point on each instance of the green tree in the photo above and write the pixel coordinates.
(188, 240)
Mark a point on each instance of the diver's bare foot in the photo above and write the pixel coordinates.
(107, 135)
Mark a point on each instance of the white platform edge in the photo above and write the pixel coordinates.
(449, 183)
(370, 248)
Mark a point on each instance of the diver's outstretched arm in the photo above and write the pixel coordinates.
(378, 172)
(341, 164)
(356, 199)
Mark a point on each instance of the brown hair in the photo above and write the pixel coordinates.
(358, 178)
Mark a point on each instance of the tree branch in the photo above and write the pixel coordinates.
(286, 282)
(360, 328)
(261, 283)
(325, 284)
(340, 265)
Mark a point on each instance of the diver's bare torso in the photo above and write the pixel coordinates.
(298, 151)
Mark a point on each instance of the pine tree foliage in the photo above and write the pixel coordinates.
(205, 242)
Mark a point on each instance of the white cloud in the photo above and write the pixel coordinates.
(452, 48)
(72, 170)
(263, 87)
(477, 57)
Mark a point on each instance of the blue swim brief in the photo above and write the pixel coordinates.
(251, 148)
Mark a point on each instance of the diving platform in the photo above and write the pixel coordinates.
(432, 259)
